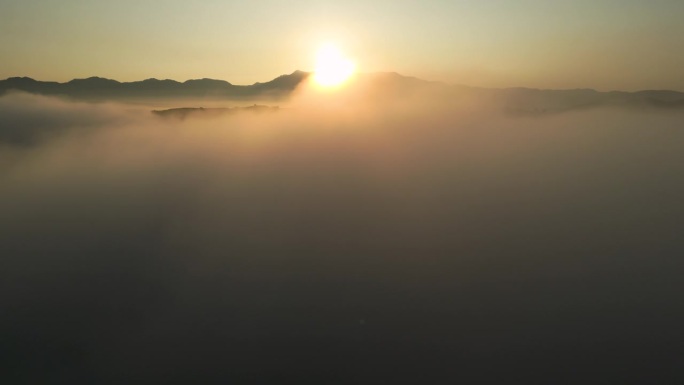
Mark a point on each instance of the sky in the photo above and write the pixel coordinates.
(601, 44)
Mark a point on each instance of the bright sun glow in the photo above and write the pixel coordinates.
(332, 69)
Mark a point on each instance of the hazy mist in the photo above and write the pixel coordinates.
(340, 240)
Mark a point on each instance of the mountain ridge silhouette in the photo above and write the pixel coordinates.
(102, 88)
(515, 100)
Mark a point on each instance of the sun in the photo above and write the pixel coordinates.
(332, 68)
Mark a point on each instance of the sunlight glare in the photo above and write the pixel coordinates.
(332, 68)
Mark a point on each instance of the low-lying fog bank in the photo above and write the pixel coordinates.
(338, 241)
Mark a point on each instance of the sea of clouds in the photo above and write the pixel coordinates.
(339, 241)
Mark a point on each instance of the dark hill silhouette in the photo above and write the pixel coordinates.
(187, 112)
(380, 86)
(283, 82)
(96, 88)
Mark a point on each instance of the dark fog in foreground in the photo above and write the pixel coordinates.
(330, 242)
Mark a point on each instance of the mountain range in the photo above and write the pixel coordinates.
(511, 100)
(97, 88)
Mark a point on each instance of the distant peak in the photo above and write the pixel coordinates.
(157, 81)
(93, 79)
(207, 81)
(285, 81)
(18, 81)
(21, 78)
(295, 74)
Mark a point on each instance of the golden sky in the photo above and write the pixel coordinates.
(602, 44)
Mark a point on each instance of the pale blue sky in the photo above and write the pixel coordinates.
(604, 44)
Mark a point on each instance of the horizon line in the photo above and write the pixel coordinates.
(308, 73)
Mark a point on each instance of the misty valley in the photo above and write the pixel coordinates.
(398, 231)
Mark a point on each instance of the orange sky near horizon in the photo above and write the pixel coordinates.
(608, 44)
